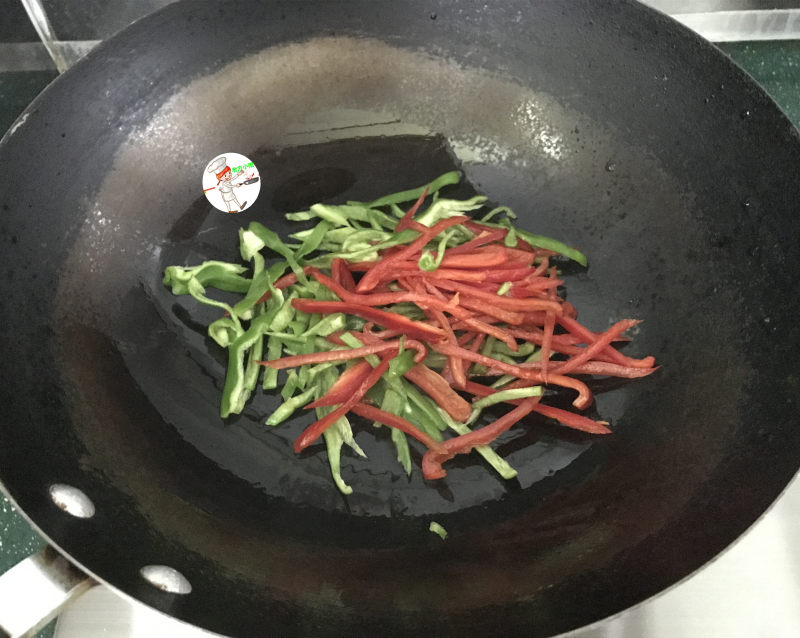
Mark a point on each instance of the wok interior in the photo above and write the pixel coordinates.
(610, 520)
(563, 174)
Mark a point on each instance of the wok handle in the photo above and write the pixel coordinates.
(34, 590)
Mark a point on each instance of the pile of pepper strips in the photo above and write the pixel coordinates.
(422, 308)
(485, 290)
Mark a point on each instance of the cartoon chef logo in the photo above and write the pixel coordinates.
(231, 182)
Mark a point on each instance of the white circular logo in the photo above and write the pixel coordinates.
(231, 182)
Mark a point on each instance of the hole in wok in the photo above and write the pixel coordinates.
(167, 579)
(72, 500)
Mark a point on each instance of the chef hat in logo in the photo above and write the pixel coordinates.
(219, 166)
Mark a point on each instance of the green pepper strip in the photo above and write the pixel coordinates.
(337, 434)
(288, 407)
(263, 281)
(253, 369)
(312, 242)
(453, 177)
(234, 393)
(547, 243)
(217, 274)
(281, 317)
(274, 243)
(427, 261)
(497, 211)
(290, 386)
(196, 290)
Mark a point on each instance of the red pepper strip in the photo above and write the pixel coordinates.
(419, 298)
(494, 331)
(549, 324)
(373, 276)
(525, 256)
(341, 275)
(460, 325)
(393, 421)
(456, 273)
(478, 305)
(508, 274)
(542, 267)
(336, 337)
(440, 391)
(360, 266)
(464, 339)
(344, 387)
(379, 334)
(570, 311)
(603, 368)
(481, 390)
(477, 342)
(581, 402)
(485, 257)
(313, 431)
(614, 355)
(590, 351)
(484, 237)
(391, 320)
(547, 338)
(572, 420)
(520, 305)
(480, 324)
(540, 284)
(456, 364)
(343, 355)
(433, 459)
(407, 220)
(283, 282)
(563, 343)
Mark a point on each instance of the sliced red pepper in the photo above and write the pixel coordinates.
(433, 459)
(547, 338)
(373, 276)
(336, 337)
(485, 257)
(439, 390)
(572, 420)
(313, 431)
(614, 355)
(484, 237)
(501, 275)
(407, 220)
(581, 402)
(603, 368)
(393, 421)
(479, 305)
(341, 275)
(284, 282)
(331, 355)
(344, 387)
(391, 320)
(600, 345)
(387, 298)
(520, 305)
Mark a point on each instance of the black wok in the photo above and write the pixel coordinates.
(602, 123)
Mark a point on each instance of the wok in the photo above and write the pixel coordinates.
(601, 123)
